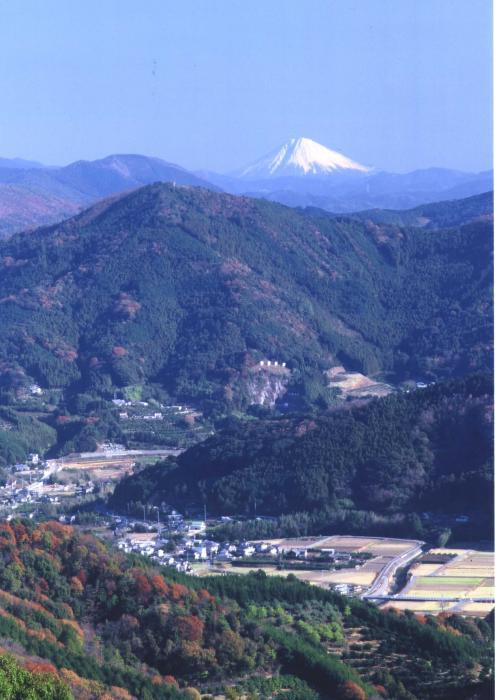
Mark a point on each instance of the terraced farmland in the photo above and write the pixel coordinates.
(464, 584)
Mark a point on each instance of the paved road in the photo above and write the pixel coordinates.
(440, 599)
(382, 584)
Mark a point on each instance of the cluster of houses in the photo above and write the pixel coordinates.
(17, 490)
(157, 415)
(180, 552)
(28, 484)
(178, 555)
(20, 495)
(178, 543)
(140, 405)
(33, 461)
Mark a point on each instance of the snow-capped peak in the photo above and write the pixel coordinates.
(300, 156)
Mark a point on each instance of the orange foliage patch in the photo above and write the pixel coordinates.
(21, 534)
(11, 599)
(178, 591)
(170, 680)
(164, 608)
(41, 667)
(8, 616)
(116, 693)
(66, 354)
(204, 595)
(67, 610)
(45, 635)
(352, 691)
(63, 532)
(125, 306)
(7, 535)
(158, 583)
(62, 420)
(143, 586)
(82, 576)
(76, 585)
(190, 627)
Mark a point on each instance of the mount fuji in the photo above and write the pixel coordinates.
(301, 157)
(304, 173)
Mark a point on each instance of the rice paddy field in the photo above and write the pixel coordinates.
(465, 584)
(378, 546)
(383, 550)
(325, 579)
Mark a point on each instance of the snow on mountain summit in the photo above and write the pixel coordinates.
(301, 156)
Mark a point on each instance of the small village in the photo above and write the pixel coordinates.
(184, 545)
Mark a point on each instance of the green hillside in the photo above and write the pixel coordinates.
(113, 626)
(190, 288)
(430, 450)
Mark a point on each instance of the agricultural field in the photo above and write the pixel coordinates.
(463, 584)
(325, 579)
(103, 466)
(378, 546)
(359, 578)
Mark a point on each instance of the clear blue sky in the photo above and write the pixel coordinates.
(398, 84)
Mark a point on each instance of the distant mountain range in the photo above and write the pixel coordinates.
(19, 164)
(303, 173)
(300, 173)
(32, 195)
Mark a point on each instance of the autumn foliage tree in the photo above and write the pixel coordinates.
(352, 691)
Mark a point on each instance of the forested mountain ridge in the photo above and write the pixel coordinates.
(32, 194)
(192, 288)
(350, 191)
(429, 450)
(441, 214)
(115, 626)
